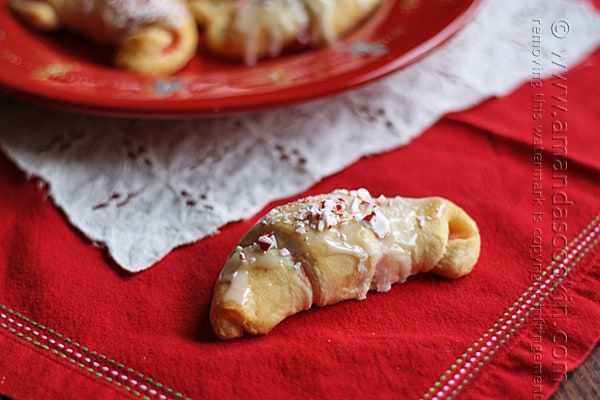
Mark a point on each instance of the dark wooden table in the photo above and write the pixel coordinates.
(584, 382)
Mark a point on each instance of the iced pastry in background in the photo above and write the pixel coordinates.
(151, 37)
(249, 30)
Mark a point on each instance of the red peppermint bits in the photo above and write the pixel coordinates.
(369, 217)
(323, 214)
(267, 241)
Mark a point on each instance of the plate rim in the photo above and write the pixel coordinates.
(168, 107)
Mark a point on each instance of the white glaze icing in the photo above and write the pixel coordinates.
(383, 255)
(276, 16)
(311, 20)
(246, 259)
(239, 289)
(129, 15)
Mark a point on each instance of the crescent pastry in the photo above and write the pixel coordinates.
(328, 248)
(254, 29)
(152, 37)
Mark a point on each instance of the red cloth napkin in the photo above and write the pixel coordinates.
(74, 326)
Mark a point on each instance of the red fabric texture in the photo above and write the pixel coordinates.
(74, 326)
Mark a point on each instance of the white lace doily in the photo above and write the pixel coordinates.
(142, 188)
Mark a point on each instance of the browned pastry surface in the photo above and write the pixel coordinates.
(252, 29)
(325, 249)
(152, 37)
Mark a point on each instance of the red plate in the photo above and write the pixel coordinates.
(67, 71)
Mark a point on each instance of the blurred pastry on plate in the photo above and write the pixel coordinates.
(151, 37)
(249, 30)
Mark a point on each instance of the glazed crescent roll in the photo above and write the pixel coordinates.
(253, 29)
(334, 247)
(152, 37)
